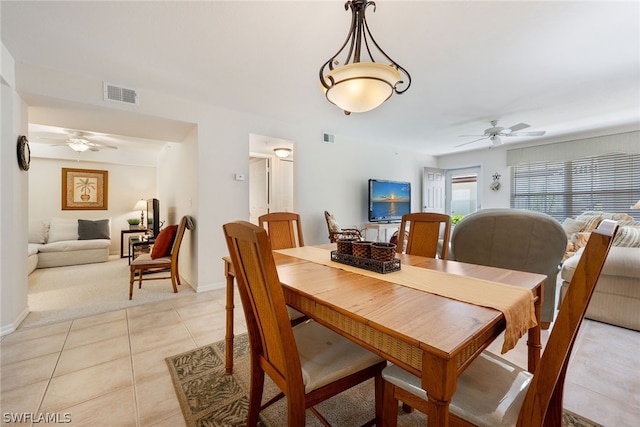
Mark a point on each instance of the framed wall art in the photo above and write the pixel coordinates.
(84, 189)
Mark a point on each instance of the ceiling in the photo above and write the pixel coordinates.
(564, 67)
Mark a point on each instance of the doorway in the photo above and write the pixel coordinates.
(462, 195)
(271, 176)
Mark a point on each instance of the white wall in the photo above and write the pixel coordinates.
(14, 186)
(198, 179)
(126, 185)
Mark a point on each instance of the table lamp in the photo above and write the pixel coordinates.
(141, 205)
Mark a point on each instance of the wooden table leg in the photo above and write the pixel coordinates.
(229, 274)
(439, 377)
(534, 342)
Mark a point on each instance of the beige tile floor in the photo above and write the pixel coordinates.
(109, 369)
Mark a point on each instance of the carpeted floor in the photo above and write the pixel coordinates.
(64, 293)
(208, 397)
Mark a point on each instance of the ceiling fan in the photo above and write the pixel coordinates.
(495, 132)
(78, 141)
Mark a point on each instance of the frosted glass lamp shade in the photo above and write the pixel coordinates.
(361, 86)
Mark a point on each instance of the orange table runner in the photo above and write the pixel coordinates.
(517, 304)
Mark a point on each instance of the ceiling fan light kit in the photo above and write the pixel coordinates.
(358, 86)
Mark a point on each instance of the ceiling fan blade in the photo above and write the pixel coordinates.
(469, 136)
(470, 142)
(515, 128)
(534, 133)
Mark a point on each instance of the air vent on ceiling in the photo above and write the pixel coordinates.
(328, 138)
(120, 94)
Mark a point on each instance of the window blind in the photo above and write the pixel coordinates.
(562, 189)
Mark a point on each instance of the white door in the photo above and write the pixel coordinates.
(433, 190)
(259, 188)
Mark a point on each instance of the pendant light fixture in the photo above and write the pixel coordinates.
(359, 85)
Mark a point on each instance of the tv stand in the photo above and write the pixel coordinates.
(380, 226)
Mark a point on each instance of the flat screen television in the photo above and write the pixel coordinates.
(153, 217)
(388, 200)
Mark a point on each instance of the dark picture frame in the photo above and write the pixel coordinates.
(84, 189)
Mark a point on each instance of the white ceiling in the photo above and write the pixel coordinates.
(564, 67)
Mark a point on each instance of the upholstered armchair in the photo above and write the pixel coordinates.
(335, 232)
(515, 239)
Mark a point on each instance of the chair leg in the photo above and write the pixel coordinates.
(131, 279)
(255, 394)
(175, 280)
(140, 279)
(389, 406)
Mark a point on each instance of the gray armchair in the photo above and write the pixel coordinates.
(514, 239)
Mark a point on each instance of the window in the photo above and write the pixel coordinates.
(562, 189)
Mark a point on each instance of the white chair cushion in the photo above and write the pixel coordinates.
(489, 393)
(326, 356)
(145, 259)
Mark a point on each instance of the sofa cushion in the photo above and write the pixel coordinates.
(33, 248)
(620, 261)
(98, 229)
(61, 229)
(38, 231)
(74, 245)
(164, 241)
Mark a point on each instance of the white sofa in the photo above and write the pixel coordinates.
(68, 241)
(616, 298)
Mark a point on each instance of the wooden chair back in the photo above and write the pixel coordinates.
(273, 346)
(548, 380)
(420, 234)
(284, 228)
(145, 263)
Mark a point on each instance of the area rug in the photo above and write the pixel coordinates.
(210, 398)
(64, 293)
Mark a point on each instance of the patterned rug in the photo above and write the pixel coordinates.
(209, 398)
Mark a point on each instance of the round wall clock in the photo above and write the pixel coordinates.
(24, 153)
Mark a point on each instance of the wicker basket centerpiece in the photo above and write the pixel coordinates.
(361, 249)
(344, 245)
(382, 251)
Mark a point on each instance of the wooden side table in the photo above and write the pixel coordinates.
(126, 232)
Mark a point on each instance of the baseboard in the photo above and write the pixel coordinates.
(211, 287)
(8, 329)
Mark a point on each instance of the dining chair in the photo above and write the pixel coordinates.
(515, 239)
(285, 232)
(495, 392)
(162, 257)
(336, 232)
(284, 228)
(308, 363)
(420, 232)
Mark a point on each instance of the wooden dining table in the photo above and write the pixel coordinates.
(431, 336)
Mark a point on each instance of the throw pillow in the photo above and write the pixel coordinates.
(37, 232)
(164, 242)
(98, 229)
(333, 224)
(572, 226)
(628, 237)
(62, 229)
